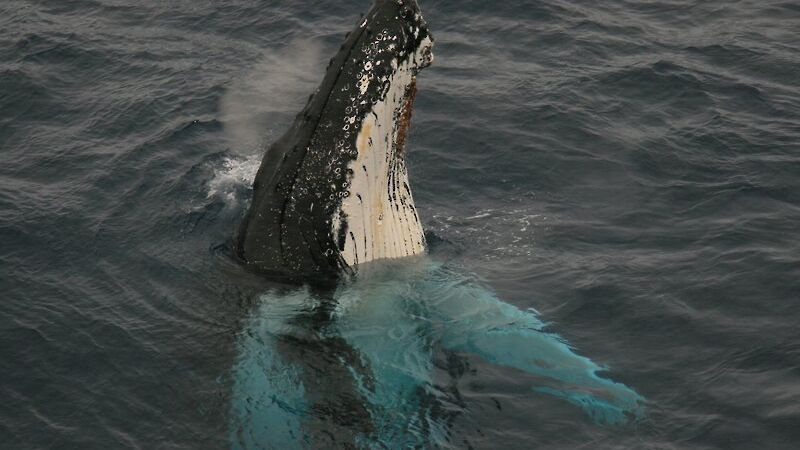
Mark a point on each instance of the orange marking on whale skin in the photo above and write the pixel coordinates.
(363, 139)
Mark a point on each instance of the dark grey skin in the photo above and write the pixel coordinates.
(287, 231)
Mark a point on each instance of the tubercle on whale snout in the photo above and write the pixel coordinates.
(299, 220)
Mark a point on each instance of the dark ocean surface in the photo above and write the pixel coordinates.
(628, 169)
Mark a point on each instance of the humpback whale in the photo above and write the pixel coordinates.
(351, 364)
(333, 191)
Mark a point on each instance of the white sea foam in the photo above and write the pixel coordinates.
(234, 174)
(509, 233)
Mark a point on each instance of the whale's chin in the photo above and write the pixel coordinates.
(377, 218)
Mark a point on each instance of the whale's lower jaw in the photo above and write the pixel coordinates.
(377, 219)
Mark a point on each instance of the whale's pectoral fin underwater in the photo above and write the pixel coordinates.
(480, 323)
(354, 367)
(333, 192)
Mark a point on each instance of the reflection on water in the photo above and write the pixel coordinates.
(355, 366)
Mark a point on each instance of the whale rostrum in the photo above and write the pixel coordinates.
(333, 191)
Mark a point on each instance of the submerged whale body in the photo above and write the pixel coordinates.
(356, 368)
(351, 365)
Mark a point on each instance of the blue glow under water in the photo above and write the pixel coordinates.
(630, 170)
(307, 365)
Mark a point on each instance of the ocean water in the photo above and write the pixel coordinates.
(628, 170)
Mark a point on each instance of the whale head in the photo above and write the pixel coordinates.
(333, 192)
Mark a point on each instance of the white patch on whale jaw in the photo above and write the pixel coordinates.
(378, 211)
